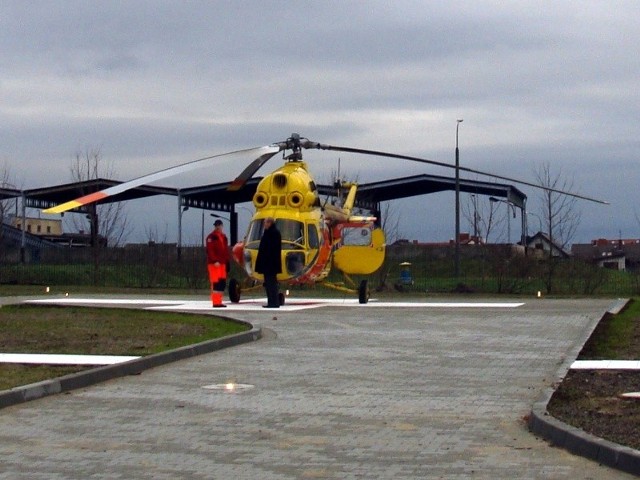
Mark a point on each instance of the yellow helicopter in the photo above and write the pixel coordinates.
(316, 235)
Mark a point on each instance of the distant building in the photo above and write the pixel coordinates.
(39, 226)
(612, 260)
(51, 231)
(465, 239)
(468, 239)
(541, 242)
(621, 254)
(470, 247)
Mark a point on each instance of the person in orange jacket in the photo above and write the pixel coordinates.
(217, 259)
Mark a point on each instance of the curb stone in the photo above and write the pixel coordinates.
(573, 439)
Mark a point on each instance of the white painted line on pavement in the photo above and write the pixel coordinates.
(606, 365)
(255, 304)
(440, 304)
(104, 301)
(631, 395)
(59, 359)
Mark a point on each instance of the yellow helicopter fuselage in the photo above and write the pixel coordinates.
(312, 234)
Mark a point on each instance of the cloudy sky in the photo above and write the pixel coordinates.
(156, 83)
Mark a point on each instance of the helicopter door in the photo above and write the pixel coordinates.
(360, 250)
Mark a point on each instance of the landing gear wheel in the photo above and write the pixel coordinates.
(363, 292)
(281, 298)
(234, 291)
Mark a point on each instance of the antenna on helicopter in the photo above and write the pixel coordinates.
(338, 181)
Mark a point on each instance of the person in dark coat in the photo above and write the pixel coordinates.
(269, 261)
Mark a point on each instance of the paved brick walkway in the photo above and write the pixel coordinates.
(337, 393)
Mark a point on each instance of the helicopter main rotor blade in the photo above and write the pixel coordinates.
(267, 151)
(335, 148)
(252, 168)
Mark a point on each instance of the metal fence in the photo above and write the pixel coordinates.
(135, 266)
(500, 269)
(407, 268)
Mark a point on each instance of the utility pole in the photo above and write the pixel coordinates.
(457, 239)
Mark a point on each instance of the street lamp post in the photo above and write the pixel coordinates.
(457, 239)
(180, 212)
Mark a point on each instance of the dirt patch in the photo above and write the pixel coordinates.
(590, 399)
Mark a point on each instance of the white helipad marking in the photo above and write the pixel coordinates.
(255, 304)
(633, 395)
(606, 365)
(105, 301)
(247, 305)
(439, 304)
(58, 359)
(303, 304)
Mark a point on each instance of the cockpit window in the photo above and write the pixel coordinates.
(291, 231)
(255, 233)
(312, 236)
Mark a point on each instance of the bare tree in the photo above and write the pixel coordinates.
(390, 223)
(6, 205)
(108, 220)
(637, 216)
(154, 235)
(559, 212)
(482, 217)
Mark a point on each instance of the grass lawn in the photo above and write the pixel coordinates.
(96, 331)
(617, 337)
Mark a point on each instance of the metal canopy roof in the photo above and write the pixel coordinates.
(425, 184)
(6, 193)
(217, 197)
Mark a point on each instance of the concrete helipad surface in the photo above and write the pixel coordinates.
(329, 392)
